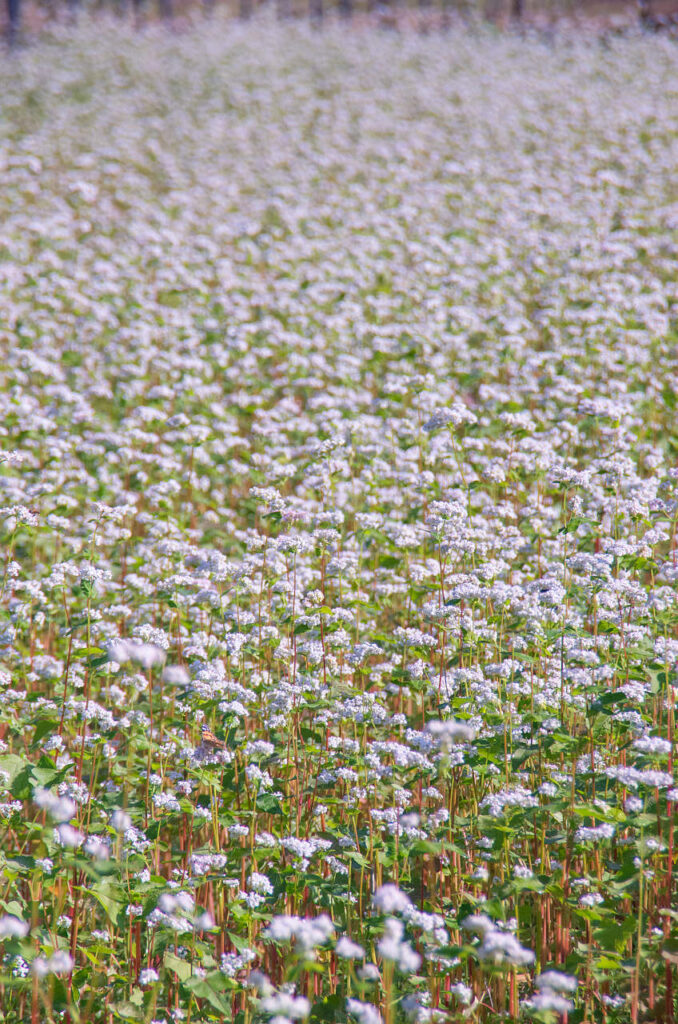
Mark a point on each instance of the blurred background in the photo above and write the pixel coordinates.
(21, 17)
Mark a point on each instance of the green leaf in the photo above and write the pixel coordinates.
(126, 1010)
(14, 908)
(269, 804)
(332, 1009)
(42, 728)
(12, 764)
(180, 967)
(389, 562)
(45, 776)
(614, 937)
(111, 898)
(203, 989)
(574, 522)
(240, 943)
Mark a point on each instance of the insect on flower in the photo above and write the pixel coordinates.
(210, 740)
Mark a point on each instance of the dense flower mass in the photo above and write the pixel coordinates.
(338, 503)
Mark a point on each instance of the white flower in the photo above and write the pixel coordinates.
(146, 655)
(293, 1007)
(557, 981)
(392, 946)
(176, 675)
(59, 963)
(260, 883)
(450, 732)
(502, 947)
(389, 899)
(120, 820)
(306, 933)
(13, 927)
(60, 808)
(548, 1001)
(365, 1012)
(349, 950)
(69, 836)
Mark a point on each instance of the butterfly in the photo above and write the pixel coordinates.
(210, 740)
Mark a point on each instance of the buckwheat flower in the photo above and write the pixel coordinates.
(450, 732)
(548, 1001)
(136, 840)
(12, 927)
(148, 976)
(97, 847)
(20, 514)
(146, 655)
(20, 968)
(65, 835)
(366, 1013)
(59, 963)
(8, 809)
(292, 1007)
(260, 883)
(463, 993)
(556, 981)
(306, 933)
(414, 637)
(414, 1008)
(183, 901)
(55, 742)
(653, 745)
(592, 834)
(166, 801)
(369, 973)
(495, 804)
(500, 947)
(265, 839)
(591, 899)
(349, 950)
(453, 415)
(655, 779)
(260, 982)
(252, 899)
(40, 966)
(389, 899)
(232, 963)
(58, 808)
(176, 675)
(478, 923)
(392, 946)
(431, 793)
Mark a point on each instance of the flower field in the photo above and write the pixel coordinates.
(338, 509)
